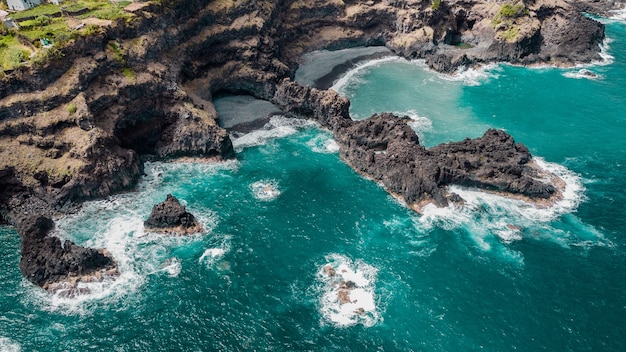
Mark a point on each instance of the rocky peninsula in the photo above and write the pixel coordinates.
(79, 126)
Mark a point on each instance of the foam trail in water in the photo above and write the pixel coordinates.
(265, 190)
(347, 292)
(277, 127)
(323, 143)
(8, 345)
(486, 215)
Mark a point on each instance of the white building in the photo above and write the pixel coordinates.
(21, 5)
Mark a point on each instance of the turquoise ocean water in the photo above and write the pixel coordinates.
(496, 275)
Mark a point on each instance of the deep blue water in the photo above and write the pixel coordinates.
(497, 275)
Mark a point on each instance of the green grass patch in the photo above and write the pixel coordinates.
(510, 34)
(511, 11)
(104, 10)
(12, 52)
(128, 73)
(44, 9)
(436, 4)
(57, 30)
(71, 109)
(75, 7)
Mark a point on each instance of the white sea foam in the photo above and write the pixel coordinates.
(323, 143)
(277, 127)
(216, 253)
(8, 345)
(265, 190)
(419, 124)
(486, 215)
(470, 76)
(348, 292)
(172, 267)
(351, 77)
(618, 15)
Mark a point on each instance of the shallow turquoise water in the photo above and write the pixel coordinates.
(451, 280)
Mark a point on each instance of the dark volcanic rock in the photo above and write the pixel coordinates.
(47, 261)
(386, 149)
(171, 217)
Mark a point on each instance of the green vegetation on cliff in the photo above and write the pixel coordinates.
(58, 25)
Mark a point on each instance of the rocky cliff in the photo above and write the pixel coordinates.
(78, 126)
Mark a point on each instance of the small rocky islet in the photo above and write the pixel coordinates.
(77, 127)
(171, 217)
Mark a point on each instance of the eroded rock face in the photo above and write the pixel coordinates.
(170, 216)
(46, 261)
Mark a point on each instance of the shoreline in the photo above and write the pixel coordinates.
(336, 63)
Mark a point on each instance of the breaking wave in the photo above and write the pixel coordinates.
(323, 143)
(347, 293)
(419, 124)
(277, 127)
(618, 15)
(354, 76)
(216, 253)
(582, 74)
(472, 76)
(486, 216)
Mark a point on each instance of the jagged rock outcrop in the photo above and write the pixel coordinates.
(386, 149)
(170, 216)
(56, 265)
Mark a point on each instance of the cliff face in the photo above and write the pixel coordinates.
(75, 128)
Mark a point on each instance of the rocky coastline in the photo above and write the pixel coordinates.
(79, 127)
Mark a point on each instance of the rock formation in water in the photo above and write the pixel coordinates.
(55, 265)
(384, 148)
(170, 216)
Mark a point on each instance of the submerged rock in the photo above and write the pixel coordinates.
(52, 264)
(170, 216)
